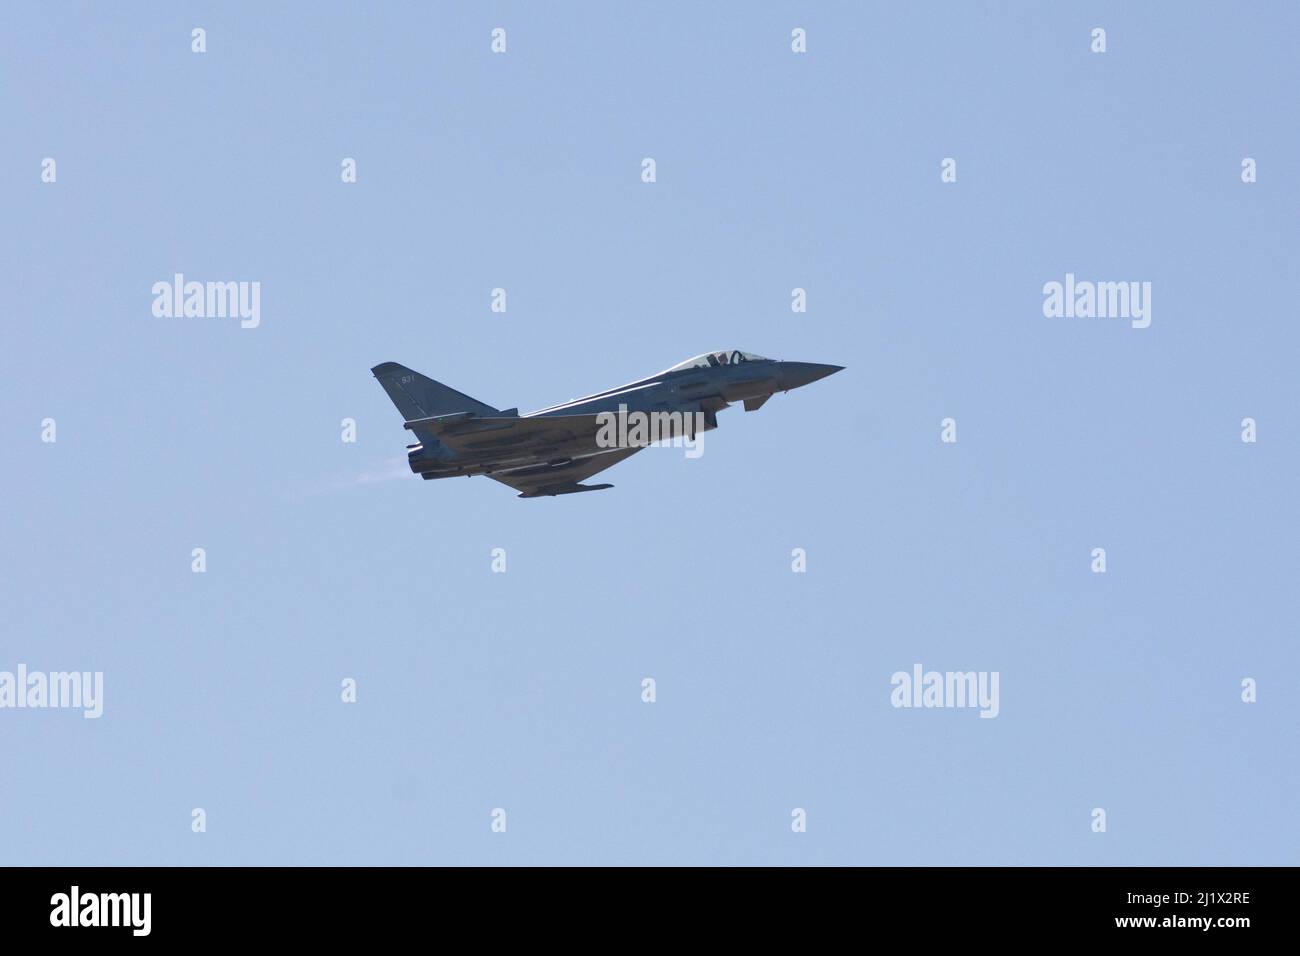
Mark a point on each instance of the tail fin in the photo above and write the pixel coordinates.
(418, 397)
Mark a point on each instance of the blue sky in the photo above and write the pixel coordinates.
(522, 690)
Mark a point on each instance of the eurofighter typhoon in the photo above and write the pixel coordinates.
(552, 451)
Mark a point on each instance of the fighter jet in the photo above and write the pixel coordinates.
(553, 450)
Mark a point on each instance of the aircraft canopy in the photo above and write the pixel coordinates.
(717, 358)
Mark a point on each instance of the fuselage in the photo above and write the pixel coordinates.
(679, 389)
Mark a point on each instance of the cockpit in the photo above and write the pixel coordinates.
(714, 359)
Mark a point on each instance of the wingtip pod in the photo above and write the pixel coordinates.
(551, 491)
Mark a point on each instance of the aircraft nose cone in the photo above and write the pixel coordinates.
(795, 374)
